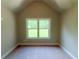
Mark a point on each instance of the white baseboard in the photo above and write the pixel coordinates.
(73, 57)
(26, 44)
(38, 44)
(2, 57)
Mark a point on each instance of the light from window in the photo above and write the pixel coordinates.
(37, 28)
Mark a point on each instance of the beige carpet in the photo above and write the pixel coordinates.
(40, 52)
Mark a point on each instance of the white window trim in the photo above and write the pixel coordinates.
(39, 38)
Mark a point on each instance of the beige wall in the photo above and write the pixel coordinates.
(43, 11)
(69, 30)
(8, 35)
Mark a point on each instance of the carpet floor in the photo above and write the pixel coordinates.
(38, 52)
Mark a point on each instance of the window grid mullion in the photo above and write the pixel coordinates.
(38, 28)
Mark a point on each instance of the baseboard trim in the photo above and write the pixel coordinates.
(70, 54)
(73, 57)
(38, 44)
(2, 57)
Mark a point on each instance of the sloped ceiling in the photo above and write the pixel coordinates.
(58, 5)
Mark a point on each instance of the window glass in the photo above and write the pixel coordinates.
(43, 23)
(32, 23)
(43, 33)
(32, 33)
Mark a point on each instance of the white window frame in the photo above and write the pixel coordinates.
(49, 29)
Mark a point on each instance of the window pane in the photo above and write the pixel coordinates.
(43, 24)
(32, 23)
(43, 33)
(32, 33)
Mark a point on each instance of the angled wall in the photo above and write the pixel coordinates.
(69, 30)
(8, 31)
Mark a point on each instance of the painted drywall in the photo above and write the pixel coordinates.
(41, 10)
(8, 30)
(69, 30)
(59, 5)
(66, 4)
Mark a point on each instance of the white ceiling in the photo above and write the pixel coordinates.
(58, 5)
